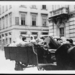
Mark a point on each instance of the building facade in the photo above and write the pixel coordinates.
(55, 20)
(22, 19)
(62, 21)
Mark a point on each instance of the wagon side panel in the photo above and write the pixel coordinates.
(7, 52)
(21, 54)
(13, 51)
(31, 56)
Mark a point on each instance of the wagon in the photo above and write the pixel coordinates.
(46, 59)
(25, 55)
(34, 55)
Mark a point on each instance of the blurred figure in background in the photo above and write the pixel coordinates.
(39, 41)
(19, 41)
(12, 44)
(60, 40)
(64, 40)
(70, 41)
(32, 40)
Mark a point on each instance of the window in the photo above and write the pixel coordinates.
(3, 9)
(6, 7)
(33, 19)
(23, 6)
(10, 19)
(23, 32)
(9, 40)
(23, 18)
(0, 9)
(34, 33)
(3, 42)
(0, 24)
(10, 6)
(17, 20)
(61, 31)
(33, 23)
(3, 23)
(6, 40)
(9, 33)
(43, 6)
(6, 20)
(6, 34)
(0, 42)
(44, 20)
(2, 35)
(33, 6)
(45, 33)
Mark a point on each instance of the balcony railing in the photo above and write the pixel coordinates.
(59, 11)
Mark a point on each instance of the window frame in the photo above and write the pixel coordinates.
(10, 19)
(44, 20)
(16, 20)
(33, 7)
(61, 31)
(44, 7)
(34, 19)
(23, 18)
